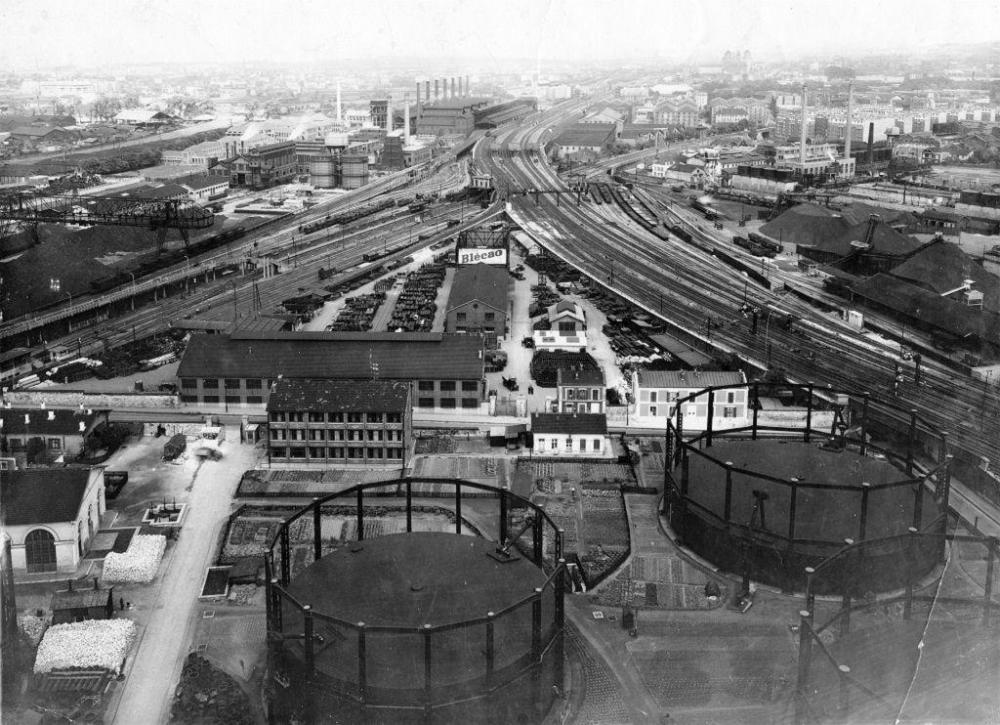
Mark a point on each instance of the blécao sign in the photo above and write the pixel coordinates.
(479, 255)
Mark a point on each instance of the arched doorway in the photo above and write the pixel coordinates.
(40, 551)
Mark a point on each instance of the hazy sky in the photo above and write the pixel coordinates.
(96, 32)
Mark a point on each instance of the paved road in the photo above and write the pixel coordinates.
(156, 661)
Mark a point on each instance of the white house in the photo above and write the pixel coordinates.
(580, 391)
(567, 317)
(51, 515)
(656, 392)
(570, 434)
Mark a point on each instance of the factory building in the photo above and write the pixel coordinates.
(263, 166)
(455, 116)
(335, 421)
(240, 369)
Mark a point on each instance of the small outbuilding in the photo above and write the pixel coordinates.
(76, 605)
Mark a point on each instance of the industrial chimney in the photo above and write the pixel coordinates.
(466, 85)
(453, 86)
(388, 114)
(406, 121)
(849, 127)
(436, 89)
(339, 116)
(427, 92)
(871, 143)
(802, 134)
(460, 94)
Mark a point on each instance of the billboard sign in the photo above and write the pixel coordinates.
(482, 255)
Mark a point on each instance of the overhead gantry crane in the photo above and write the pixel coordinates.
(156, 214)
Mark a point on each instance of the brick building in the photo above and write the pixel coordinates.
(263, 166)
(339, 421)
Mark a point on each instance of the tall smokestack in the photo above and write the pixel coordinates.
(849, 127)
(460, 93)
(436, 89)
(427, 92)
(467, 85)
(802, 134)
(388, 114)
(339, 116)
(871, 142)
(418, 102)
(406, 121)
(453, 86)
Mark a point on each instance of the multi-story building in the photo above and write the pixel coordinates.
(819, 159)
(683, 112)
(264, 166)
(239, 369)
(339, 421)
(580, 390)
(569, 434)
(455, 116)
(478, 302)
(657, 392)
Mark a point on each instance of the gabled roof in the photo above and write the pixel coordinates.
(375, 396)
(35, 131)
(566, 308)
(45, 422)
(333, 356)
(941, 266)
(688, 379)
(576, 376)
(483, 283)
(569, 423)
(42, 495)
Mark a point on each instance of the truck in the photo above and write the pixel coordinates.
(174, 447)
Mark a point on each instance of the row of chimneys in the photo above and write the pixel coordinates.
(462, 91)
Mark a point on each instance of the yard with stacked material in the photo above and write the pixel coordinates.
(585, 500)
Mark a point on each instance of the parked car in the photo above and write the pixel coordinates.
(528, 342)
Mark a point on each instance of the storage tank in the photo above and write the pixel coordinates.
(354, 171)
(321, 172)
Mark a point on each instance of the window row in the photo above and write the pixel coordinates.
(228, 399)
(295, 434)
(467, 403)
(228, 383)
(447, 386)
(280, 416)
(335, 452)
(583, 393)
(53, 444)
(581, 444)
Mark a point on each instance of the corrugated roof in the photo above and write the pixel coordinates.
(328, 355)
(376, 396)
(688, 379)
(42, 495)
(484, 283)
(63, 422)
(569, 423)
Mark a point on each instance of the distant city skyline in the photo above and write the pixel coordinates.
(121, 32)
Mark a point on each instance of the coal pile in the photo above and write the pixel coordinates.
(208, 695)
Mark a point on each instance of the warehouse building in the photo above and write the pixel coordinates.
(478, 302)
(339, 421)
(241, 369)
(450, 117)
